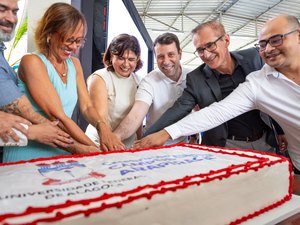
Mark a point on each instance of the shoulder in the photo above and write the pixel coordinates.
(186, 70)
(200, 72)
(101, 73)
(31, 62)
(249, 59)
(75, 61)
(31, 59)
(155, 73)
(247, 54)
(96, 76)
(154, 76)
(258, 76)
(249, 51)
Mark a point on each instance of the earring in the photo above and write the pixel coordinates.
(48, 40)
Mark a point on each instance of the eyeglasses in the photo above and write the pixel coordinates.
(274, 41)
(79, 41)
(210, 46)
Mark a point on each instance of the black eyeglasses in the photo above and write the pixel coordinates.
(274, 41)
(210, 46)
(79, 41)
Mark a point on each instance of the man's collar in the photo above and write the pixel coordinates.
(270, 71)
(2, 46)
(238, 58)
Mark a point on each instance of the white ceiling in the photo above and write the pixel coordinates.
(242, 19)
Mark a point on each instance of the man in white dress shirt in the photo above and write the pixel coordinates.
(159, 89)
(275, 90)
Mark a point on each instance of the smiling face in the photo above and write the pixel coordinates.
(8, 19)
(168, 60)
(63, 49)
(217, 58)
(124, 65)
(282, 56)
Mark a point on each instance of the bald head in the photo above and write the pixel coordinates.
(279, 42)
(280, 24)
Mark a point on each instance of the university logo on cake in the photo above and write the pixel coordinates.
(58, 173)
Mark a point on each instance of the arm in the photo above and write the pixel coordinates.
(241, 100)
(15, 127)
(131, 123)
(139, 132)
(45, 95)
(98, 94)
(22, 107)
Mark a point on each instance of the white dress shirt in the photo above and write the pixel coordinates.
(266, 90)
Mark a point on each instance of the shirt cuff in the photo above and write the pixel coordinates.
(173, 131)
(23, 141)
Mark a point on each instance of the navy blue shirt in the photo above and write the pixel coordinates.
(248, 124)
(9, 91)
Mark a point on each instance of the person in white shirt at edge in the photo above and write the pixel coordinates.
(275, 90)
(159, 89)
(112, 90)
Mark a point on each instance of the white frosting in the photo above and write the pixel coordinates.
(241, 194)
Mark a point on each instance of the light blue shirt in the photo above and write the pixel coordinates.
(9, 91)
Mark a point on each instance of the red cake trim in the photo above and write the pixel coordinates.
(261, 162)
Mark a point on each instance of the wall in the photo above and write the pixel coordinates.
(34, 15)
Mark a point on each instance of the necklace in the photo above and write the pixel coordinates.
(65, 70)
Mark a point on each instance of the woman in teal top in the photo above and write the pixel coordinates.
(53, 80)
(68, 97)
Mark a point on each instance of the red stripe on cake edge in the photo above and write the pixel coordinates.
(261, 211)
(60, 216)
(272, 206)
(261, 163)
(195, 146)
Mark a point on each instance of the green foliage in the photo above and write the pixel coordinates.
(19, 34)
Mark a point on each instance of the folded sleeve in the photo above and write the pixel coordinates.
(22, 139)
(9, 91)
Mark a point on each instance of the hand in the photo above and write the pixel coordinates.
(156, 139)
(108, 140)
(78, 148)
(282, 143)
(49, 134)
(193, 139)
(9, 121)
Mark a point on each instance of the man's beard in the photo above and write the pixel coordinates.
(4, 37)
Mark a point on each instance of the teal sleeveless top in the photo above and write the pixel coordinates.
(68, 97)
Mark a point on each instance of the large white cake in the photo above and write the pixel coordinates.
(174, 185)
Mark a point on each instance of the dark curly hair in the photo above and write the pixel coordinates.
(118, 46)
